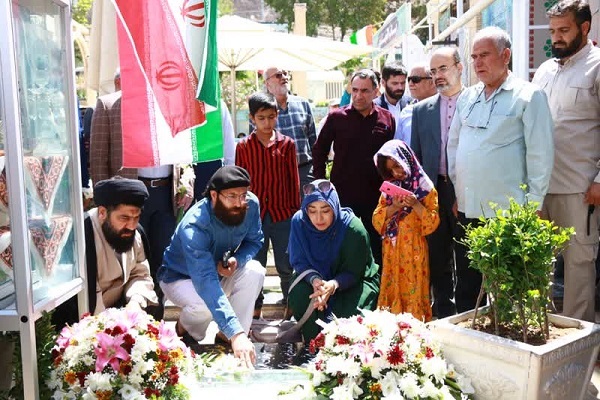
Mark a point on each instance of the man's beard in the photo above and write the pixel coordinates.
(231, 216)
(570, 49)
(397, 95)
(116, 240)
(279, 90)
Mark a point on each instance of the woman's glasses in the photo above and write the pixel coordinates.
(323, 187)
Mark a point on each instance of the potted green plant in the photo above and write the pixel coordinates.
(514, 251)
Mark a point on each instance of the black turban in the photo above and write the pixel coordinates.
(115, 191)
(227, 177)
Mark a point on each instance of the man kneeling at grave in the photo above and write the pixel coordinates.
(118, 271)
(208, 269)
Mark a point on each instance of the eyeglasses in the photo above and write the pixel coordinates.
(243, 198)
(477, 125)
(323, 187)
(278, 75)
(442, 70)
(417, 79)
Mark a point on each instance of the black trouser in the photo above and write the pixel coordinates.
(441, 252)
(158, 220)
(203, 172)
(365, 213)
(468, 280)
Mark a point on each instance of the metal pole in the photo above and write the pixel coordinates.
(233, 106)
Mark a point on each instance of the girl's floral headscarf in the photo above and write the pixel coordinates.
(416, 180)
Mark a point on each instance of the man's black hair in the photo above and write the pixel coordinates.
(580, 9)
(394, 68)
(366, 73)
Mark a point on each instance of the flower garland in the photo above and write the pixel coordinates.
(121, 354)
(381, 355)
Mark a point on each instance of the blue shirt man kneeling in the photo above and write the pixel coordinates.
(208, 269)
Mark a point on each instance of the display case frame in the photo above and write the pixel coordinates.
(27, 308)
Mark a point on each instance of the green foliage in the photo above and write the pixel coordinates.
(348, 16)
(45, 335)
(285, 10)
(225, 7)
(514, 251)
(81, 11)
(244, 87)
(351, 15)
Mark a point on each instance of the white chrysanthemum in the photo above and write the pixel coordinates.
(141, 367)
(88, 360)
(435, 367)
(409, 385)
(135, 380)
(98, 381)
(337, 364)
(342, 393)
(53, 381)
(352, 369)
(143, 345)
(74, 354)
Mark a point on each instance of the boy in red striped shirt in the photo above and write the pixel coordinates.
(270, 159)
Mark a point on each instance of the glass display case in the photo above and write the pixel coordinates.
(41, 216)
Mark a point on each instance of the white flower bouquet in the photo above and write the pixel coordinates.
(121, 354)
(381, 355)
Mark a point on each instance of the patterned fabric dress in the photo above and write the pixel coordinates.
(405, 271)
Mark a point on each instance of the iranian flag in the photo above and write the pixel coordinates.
(170, 106)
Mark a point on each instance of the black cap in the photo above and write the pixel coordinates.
(227, 177)
(118, 190)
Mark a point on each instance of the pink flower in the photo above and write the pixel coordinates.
(109, 351)
(65, 337)
(364, 351)
(168, 339)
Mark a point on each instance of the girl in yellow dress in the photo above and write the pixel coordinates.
(404, 221)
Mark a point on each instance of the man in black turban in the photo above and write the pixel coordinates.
(118, 271)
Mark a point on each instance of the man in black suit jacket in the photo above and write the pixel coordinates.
(431, 121)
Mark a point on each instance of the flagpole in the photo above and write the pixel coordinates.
(233, 107)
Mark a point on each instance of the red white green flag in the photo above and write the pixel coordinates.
(169, 81)
(363, 36)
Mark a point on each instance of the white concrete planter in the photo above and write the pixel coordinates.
(503, 369)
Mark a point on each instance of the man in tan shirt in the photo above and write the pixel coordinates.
(571, 81)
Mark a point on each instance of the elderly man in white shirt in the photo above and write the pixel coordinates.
(500, 138)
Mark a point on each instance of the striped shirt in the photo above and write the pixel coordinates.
(273, 174)
(296, 121)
